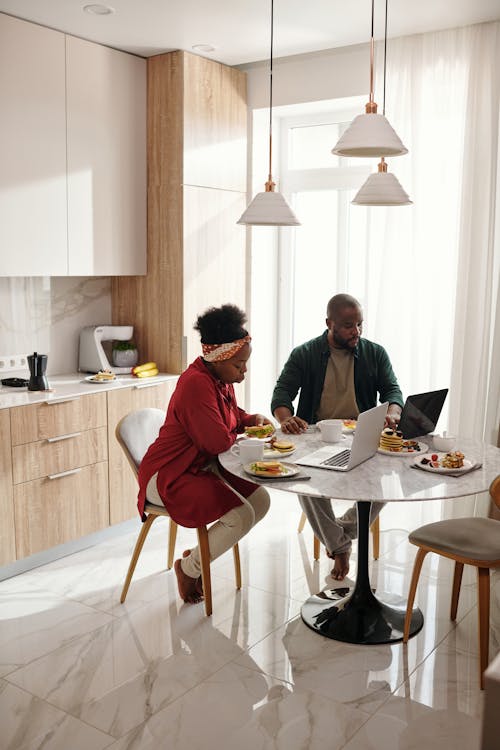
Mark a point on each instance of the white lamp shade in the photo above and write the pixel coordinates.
(381, 189)
(370, 135)
(269, 209)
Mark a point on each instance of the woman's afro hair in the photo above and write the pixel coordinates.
(219, 325)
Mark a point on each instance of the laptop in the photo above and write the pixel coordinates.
(421, 413)
(364, 444)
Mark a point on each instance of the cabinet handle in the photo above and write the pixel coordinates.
(63, 437)
(147, 385)
(61, 400)
(63, 474)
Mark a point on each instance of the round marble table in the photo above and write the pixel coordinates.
(360, 616)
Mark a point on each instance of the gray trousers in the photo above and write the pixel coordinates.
(335, 533)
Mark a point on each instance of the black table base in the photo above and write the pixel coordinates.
(359, 616)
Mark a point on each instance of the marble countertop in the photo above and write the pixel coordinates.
(383, 477)
(70, 386)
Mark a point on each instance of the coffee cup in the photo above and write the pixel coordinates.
(331, 430)
(444, 442)
(251, 449)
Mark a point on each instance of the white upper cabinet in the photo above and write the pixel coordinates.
(72, 155)
(106, 130)
(33, 237)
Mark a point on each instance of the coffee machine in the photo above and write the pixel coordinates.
(92, 357)
(38, 365)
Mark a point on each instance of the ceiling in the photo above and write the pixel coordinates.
(239, 29)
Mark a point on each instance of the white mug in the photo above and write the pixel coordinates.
(331, 430)
(251, 449)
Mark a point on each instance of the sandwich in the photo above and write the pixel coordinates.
(268, 468)
(259, 430)
(283, 446)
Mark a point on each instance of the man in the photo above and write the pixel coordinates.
(339, 374)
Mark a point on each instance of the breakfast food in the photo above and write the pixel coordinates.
(148, 370)
(451, 460)
(268, 468)
(349, 424)
(284, 446)
(103, 376)
(391, 440)
(259, 430)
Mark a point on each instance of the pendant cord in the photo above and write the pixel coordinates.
(385, 55)
(270, 179)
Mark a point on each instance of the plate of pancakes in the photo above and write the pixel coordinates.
(392, 443)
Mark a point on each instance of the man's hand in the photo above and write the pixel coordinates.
(393, 416)
(293, 425)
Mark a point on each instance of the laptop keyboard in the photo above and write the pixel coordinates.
(339, 459)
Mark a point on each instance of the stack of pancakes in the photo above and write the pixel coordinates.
(453, 460)
(391, 440)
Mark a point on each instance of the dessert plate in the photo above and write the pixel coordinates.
(93, 379)
(289, 471)
(349, 426)
(406, 451)
(468, 465)
(272, 453)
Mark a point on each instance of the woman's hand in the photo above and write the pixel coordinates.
(261, 419)
(293, 425)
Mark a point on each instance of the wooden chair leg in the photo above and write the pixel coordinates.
(302, 523)
(483, 589)
(375, 529)
(455, 590)
(205, 568)
(137, 551)
(237, 566)
(172, 536)
(316, 548)
(417, 567)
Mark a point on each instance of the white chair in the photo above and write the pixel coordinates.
(136, 432)
(468, 541)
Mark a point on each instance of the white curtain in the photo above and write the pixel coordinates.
(432, 289)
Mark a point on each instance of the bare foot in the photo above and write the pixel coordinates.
(341, 566)
(199, 584)
(187, 586)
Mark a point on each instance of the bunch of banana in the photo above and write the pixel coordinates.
(149, 370)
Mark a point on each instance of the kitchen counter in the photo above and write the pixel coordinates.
(71, 386)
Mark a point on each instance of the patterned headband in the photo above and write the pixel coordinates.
(220, 352)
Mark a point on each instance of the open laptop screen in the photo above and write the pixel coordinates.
(421, 413)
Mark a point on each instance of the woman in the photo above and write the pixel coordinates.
(181, 470)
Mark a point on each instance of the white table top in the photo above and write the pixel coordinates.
(383, 477)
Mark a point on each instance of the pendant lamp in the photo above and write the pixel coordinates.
(269, 208)
(382, 188)
(370, 134)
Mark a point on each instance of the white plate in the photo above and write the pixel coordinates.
(349, 430)
(442, 470)
(291, 471)
(405, 452)
(92, 379)
(271, 453)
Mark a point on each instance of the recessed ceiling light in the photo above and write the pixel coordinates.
(96, 9)
(203, 47)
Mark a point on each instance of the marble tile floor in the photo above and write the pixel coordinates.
(79, 670)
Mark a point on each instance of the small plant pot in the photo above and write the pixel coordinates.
(125, 357)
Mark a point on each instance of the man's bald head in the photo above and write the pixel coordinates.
(338, 303)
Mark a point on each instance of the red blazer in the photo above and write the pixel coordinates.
(202, 421)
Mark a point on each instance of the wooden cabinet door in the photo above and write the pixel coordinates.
(55, 418)
(106, 130)
(7, 531)
(54, 511)
(123, 487)
(33, 234)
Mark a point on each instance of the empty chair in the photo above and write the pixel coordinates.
(468, 541)
(135, 432)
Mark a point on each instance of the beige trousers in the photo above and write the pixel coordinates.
(225, 532)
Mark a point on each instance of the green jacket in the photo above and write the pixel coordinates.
(306, 368)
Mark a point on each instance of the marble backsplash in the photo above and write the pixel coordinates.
(46, 314)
